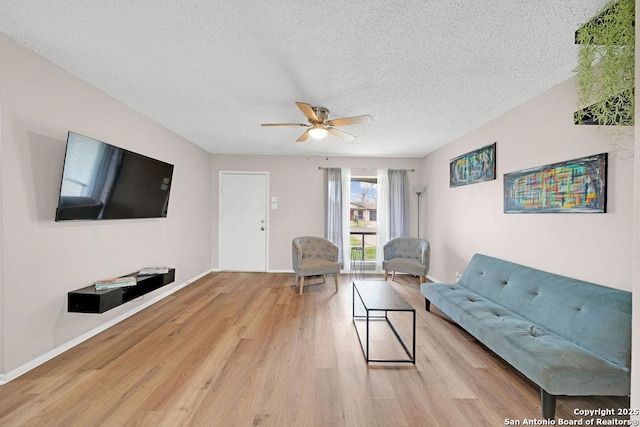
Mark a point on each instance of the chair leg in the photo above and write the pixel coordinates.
(386, 274)
(335, 279)
(393, 276)
(324, 278)
(301, 284)
(423, 279)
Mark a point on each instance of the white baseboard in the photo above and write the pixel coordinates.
(15, 373)
(433, 279)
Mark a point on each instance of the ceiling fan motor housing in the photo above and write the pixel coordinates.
(322, 113)
(320, 125)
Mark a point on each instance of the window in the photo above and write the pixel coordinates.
(363, 212)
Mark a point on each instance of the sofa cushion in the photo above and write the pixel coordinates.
(317, 266)
(557, 364)
(594, 317)
(405, 265)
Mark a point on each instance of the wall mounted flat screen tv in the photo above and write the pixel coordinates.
(102, 181)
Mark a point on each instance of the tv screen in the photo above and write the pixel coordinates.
(102, 181)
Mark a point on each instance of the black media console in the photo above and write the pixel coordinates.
(90, 300)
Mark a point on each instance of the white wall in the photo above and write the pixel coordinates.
(464, 220)
(635, 339)
(298, 184)
(42, 260)
(2, 299)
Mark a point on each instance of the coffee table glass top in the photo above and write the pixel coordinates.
(379, 295)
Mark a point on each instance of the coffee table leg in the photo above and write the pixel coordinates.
(414, 338)
(367, 336)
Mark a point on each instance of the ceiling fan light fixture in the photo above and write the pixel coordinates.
(320, 125)
(317, 132)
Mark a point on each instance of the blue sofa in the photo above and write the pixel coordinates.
(568, 336)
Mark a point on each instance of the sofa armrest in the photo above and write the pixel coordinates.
(389, 250)
(331, 252)
(425, 253)
(296, 255)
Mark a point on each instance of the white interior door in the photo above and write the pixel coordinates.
(243, 221)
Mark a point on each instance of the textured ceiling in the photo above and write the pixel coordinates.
(212, 71)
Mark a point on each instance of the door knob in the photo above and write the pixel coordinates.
(262, 228)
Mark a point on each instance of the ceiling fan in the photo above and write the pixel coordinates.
(320, 125)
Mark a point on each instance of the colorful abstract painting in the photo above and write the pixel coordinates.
(574, 186)
(475, 166)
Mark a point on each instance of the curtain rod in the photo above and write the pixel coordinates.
(408, 170)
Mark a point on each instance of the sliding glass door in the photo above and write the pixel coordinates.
(363, 218)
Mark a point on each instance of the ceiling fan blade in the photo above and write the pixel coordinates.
(303, 137)
(282, 124)
(307, 111)
(340, 134)
(350, 120)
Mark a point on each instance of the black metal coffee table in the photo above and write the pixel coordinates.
(377, 296)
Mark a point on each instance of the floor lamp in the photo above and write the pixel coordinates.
(419, 189)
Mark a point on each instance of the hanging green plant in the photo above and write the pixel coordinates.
(605, 72)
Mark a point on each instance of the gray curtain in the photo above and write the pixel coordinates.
(398, 203)
(333, 208)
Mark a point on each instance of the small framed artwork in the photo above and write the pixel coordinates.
(574, 186)
(476, 166)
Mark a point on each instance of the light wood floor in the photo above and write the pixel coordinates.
(242, 349)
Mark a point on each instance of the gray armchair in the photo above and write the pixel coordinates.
(406, 255)
(314, 256)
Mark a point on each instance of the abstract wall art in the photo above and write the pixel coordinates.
(476, 166)
(574, 186)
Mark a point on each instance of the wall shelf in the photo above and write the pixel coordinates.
(587, 116)
(90, 300)
(598, 20)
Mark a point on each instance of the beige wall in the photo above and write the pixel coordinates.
(298, 184)
(464, 220)
(42, 260)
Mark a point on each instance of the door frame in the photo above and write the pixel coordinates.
(221, 173)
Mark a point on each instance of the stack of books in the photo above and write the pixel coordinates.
(118, 282)
(153, 270)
